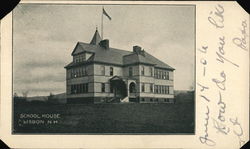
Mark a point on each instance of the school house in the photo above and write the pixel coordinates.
(99, 73)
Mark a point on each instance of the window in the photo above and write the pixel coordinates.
(86, 88)
(83, 71)
(155, 73)
(156, 88)
(77, 72)
(130, 71)
(111, 89)
(82, 58)
(156, 99)
(79, 88)
(167, 75)
(142, 71)
(103, 87)
(86, 70)
(143, 87)
(164, 75)
(162, 89)
(103, 70)
(80, 72)
(83, 88)
(161, 75)
(142, 99)
(166, 100)
(167, 89)
(73, 89)
(68, 74)
(151, 99)
(111, 71)
(158, 74)
(151, 71)
(74, 72)
(151, 88)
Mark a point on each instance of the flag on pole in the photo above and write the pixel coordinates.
(105, 13)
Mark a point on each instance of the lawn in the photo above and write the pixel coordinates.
(109, 118)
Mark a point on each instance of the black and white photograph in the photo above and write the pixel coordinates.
(103, 69)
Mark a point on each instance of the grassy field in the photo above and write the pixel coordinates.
(110, 118)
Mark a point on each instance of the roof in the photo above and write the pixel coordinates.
(115, 56)
(96, 38)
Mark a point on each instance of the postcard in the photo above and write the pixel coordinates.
(125, 74)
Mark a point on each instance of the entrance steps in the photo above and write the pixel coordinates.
(124, 100)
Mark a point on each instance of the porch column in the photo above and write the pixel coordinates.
(128, 88)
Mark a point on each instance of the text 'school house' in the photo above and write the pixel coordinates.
(100, 73)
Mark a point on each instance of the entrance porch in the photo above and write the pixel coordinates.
(124, 89)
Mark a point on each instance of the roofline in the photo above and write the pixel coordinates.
(82, 53)
(165, 68)
(98, 62)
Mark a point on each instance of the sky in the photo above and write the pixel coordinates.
(44, 37)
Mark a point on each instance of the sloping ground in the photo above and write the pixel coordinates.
(58, 98)
(184, 96)
(37, 98)
(110, 118)
(180, 96)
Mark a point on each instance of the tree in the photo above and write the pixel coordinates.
(50, 97)
(15, 95)
(25, 94)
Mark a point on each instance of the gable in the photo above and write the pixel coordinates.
(78, 49)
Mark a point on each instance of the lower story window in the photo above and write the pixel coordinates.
(79, 88)
(142, 99)
(166, 100)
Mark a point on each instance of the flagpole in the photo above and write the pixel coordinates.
(102, 24)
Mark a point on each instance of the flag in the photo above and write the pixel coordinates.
(105, 13)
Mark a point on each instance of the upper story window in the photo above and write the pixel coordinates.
(74, 73)
(161, 74)
(80, 58)
(151, 71)
(167, 75)
(78, 72)
(158, 74)
(111, 71)
(156, 88)
(167, 90)
(151, 88)
(163, 89)
(83, 71)
(155, 75)
(130, 71)
(103, 87)
(164, 74)
(143, 87)
(102, 70)
(142, 71)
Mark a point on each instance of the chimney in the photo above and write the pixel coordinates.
(104, 43)
(138, 50)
